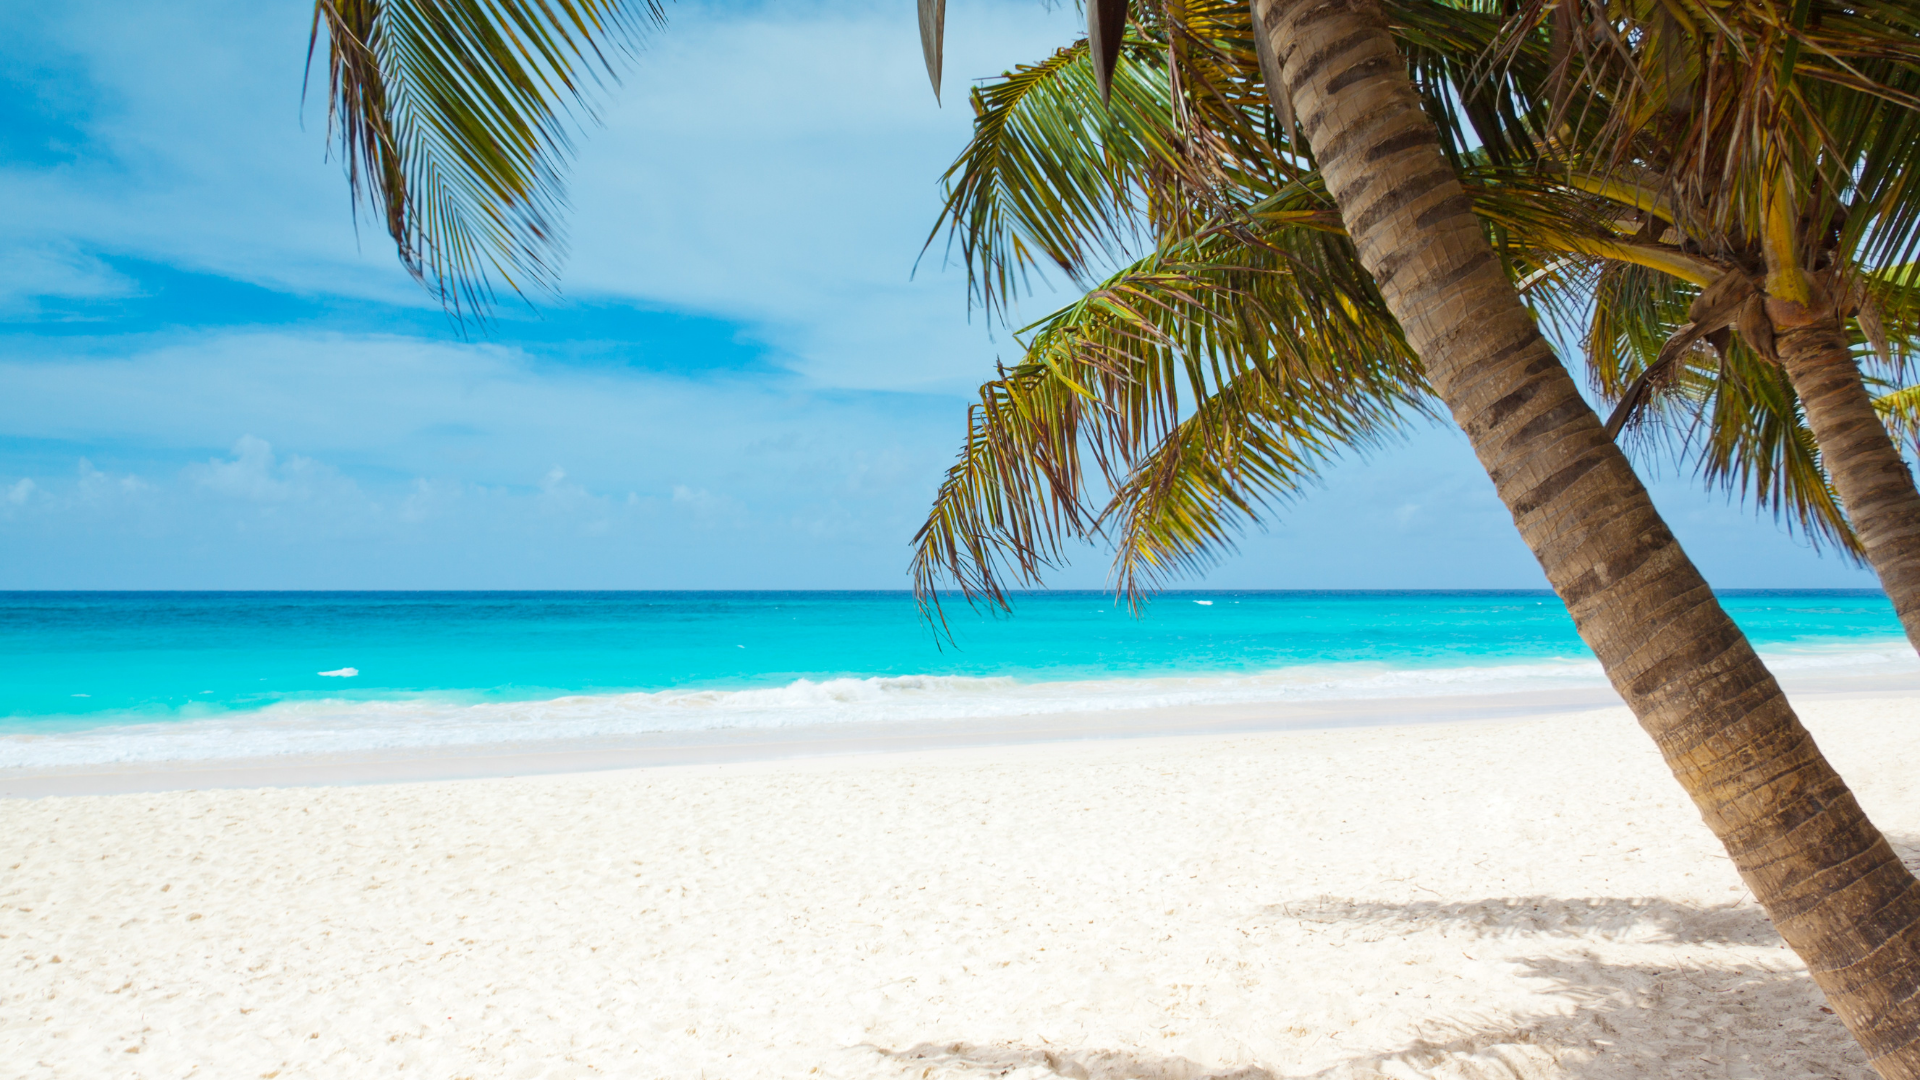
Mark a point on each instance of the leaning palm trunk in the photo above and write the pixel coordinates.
(1868, 473)
(1828, 878)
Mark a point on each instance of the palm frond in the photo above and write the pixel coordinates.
(1245, 357)
(1246, 447)
(1753, 443)
(453, 119)
(1900, 411)
(1052, 176)
(1717, 405)
(1058, 177)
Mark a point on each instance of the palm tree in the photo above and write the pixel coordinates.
(453, 119)
(1774, 145)
(1729, 407)
(1056, 176)
(1825, 874)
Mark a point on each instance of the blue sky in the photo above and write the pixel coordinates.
(208, 380)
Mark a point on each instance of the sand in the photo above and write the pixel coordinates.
(1526, 898)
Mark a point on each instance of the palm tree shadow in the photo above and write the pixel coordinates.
(1690, 1015)
(951, 1061)
(1630, 1022)
(1907, 846)
(1641, 919)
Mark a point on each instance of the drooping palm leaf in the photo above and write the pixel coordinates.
(1900, 411)
(1050, 177)
(1719, 405)
(1169, 402)
(1056, 178)
(1754, 444)
(453, 119)
(1042, 439)
(1759, 124)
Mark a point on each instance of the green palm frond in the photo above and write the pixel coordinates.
(1754, 444)
(1486, 111)
(1888, 322)
(1055, 178)
(1900, 411)
(1246, 447)
(1052, 178)
(1635, 311)
(453, 122)
(1143, 414)
(1245, 358)
(1722, 408)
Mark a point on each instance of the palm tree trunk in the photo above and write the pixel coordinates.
(1874, 484)
(1827, 877)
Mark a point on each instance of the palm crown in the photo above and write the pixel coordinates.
(1182, 148)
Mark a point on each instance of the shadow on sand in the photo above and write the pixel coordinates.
(1641, 919)
(1689, 1014)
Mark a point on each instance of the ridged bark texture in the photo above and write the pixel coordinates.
(1834, 888)
(1874, 485)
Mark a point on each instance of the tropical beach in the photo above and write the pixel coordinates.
(1529, 898)
(1133, 540)
(1458, 860)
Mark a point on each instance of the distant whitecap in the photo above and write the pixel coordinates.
(342, 673)
(1204, 603)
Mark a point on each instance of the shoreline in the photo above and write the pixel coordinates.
(726, 746)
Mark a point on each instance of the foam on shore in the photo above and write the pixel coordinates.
(336, 726)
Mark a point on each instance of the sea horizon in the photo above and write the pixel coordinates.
(96, 677)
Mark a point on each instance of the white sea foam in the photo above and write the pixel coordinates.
(337, 726)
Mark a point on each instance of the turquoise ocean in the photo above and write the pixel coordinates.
(95, 678)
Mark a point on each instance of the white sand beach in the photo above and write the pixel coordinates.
(1503, 898)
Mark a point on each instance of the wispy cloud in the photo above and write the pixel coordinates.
(31, 273)
(747, 169)
(393, 443)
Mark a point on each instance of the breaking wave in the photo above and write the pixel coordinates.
(334, 726)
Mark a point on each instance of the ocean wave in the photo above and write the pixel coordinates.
(333, 726)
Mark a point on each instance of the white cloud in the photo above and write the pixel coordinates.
(427, 499)
(20, 492)
(248, 475)
(30, 273)
(364, 444)
(753, 169)
(709, 508)
(400, 405)
(254, 473)
(195, 154)
(96, 484)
